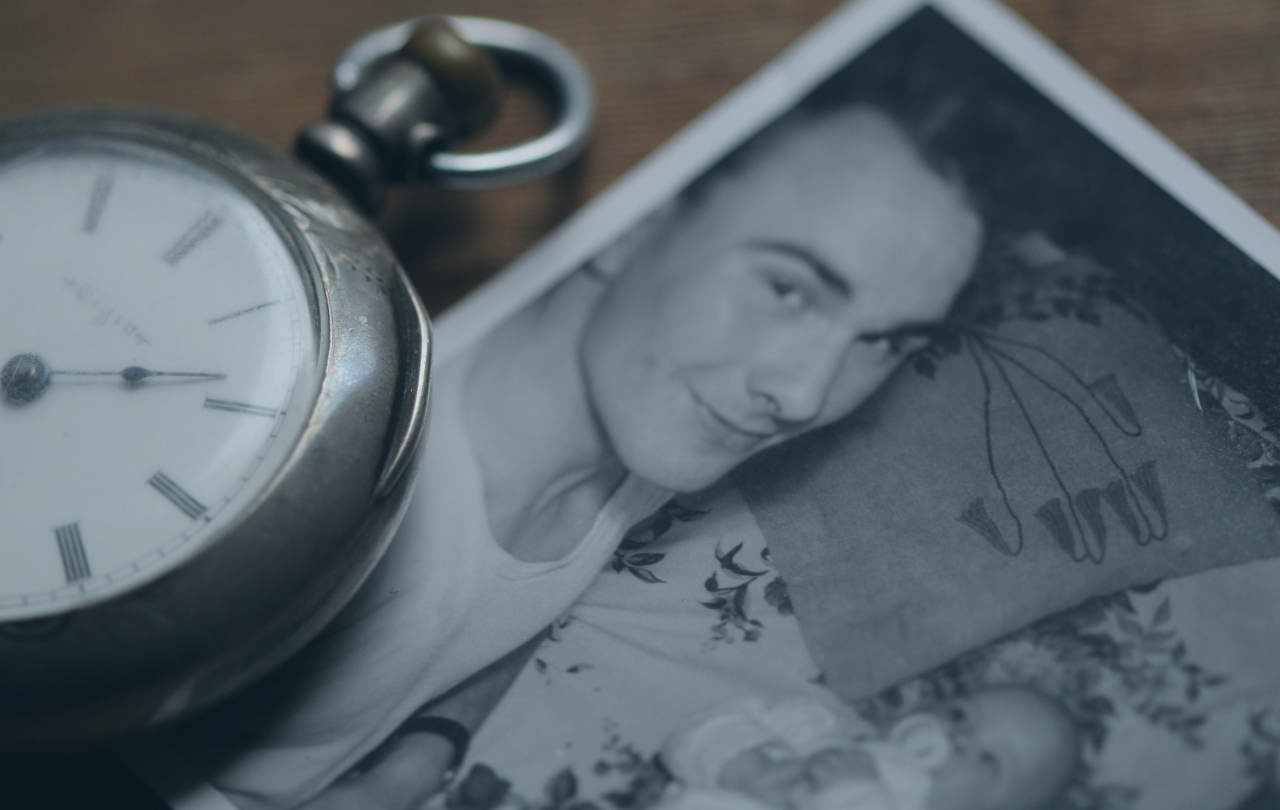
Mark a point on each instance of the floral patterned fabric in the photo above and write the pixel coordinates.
(1175, 687)
(690, 614)
(1161, 645)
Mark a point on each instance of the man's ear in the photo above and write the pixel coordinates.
(611, 261)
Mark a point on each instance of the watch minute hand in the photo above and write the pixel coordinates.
(138, 374)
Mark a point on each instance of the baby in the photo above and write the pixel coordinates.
(1007, 748)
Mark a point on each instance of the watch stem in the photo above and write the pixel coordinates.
(435, 89)
(346, 159)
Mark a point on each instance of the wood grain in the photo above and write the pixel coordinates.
(1205, 72)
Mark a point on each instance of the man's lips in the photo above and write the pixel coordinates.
(728, 425)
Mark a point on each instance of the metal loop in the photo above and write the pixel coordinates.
(509, 43)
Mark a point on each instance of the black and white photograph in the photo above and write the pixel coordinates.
(899, 437)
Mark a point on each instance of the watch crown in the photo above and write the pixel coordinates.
(435, 88)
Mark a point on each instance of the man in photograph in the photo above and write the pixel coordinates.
(772, 297)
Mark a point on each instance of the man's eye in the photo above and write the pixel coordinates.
(896, 345)
(787, 292)
(908, 344)
(957, 714)
(884, 346)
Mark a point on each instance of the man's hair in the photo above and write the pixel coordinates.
(808, 116)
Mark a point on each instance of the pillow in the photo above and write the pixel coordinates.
(1049, 447)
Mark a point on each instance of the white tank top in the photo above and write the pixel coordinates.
(445, 602)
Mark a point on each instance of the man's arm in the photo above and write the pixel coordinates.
(411, 767)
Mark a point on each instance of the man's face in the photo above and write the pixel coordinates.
(769, 308)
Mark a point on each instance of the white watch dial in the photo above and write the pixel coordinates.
(158, 360)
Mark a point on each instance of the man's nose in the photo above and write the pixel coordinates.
(793, 386)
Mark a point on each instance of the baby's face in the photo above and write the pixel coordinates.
(1011, 749)
(789, 783)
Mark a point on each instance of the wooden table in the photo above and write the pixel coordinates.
(1205, 72)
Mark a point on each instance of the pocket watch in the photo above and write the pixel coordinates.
(214, 374)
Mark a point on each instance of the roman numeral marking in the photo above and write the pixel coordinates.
(212, 321)
(199, 231)
(239, 407)
(71, 546)
(97, 202)
(178, 496)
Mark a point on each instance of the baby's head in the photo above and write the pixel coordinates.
(1010, 748)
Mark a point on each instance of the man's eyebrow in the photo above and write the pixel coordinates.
(825, 274)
